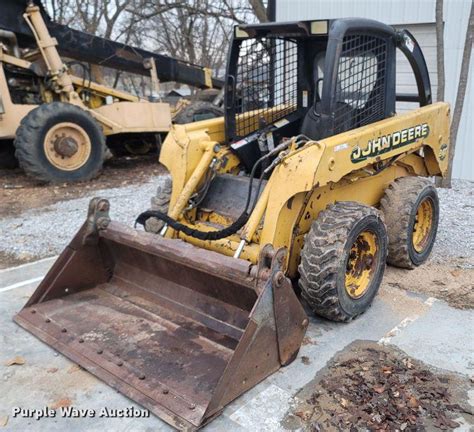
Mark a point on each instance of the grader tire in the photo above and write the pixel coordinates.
(160, 202)
(411, 209)
(60, 142)
(343, 260)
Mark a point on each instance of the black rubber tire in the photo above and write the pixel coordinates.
(160, 202)
(196, 110)
(7, 155)
(324, 259)
(32, 131)
(399, 206)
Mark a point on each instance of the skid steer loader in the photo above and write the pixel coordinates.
(306, 188)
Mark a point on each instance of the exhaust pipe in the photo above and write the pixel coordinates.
(12, 42)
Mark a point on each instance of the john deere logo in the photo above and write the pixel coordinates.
(390, 142)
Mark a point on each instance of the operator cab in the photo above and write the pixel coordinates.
(313, 78)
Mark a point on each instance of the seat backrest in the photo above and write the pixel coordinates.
(311, 124)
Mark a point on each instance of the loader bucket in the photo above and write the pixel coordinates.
(180, 330)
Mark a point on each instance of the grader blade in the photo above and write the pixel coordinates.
(180, 330)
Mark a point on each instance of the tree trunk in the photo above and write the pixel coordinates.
(440, 49)
(463, 77)
(440, 57)
(259, 10)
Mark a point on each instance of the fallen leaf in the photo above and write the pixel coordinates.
(73, 368)
(308, 341)
(455, 272)
(343, 402)
(52, 370)
(303, 415)
(61, 403)
(3, 421)
(412, 402)
(18, 360)
(444, 423)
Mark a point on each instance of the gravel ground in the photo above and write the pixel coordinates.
(455, 237)
(45, 231)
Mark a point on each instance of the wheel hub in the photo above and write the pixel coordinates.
(65, 146)
(360, 264)
(423, 225)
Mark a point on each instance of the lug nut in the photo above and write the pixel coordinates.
(81, 340)
(166, 391)
(141, 376)
(47, 320)
(99, 351)
(64, 330)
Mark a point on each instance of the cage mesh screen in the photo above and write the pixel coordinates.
(266, 83)
(360, 88)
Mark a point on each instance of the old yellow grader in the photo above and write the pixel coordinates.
(58, 125)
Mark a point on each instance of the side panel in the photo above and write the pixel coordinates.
(138, 116)
(12, 114)
(339, 160)
(368, 190)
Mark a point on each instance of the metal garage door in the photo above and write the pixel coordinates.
(425, 34)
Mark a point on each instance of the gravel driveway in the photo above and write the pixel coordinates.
(45, 231)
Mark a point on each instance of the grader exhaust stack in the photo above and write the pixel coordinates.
(179, 330)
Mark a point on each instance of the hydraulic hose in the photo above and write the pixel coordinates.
(231, 229)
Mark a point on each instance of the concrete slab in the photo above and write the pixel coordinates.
(272, 401)
(16, 276)
(426, 329)
(443, 337)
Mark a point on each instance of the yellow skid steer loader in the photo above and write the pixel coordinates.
(306, 188)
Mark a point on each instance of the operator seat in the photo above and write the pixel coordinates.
(313, 126)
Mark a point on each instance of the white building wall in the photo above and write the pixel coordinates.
(456, 16)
